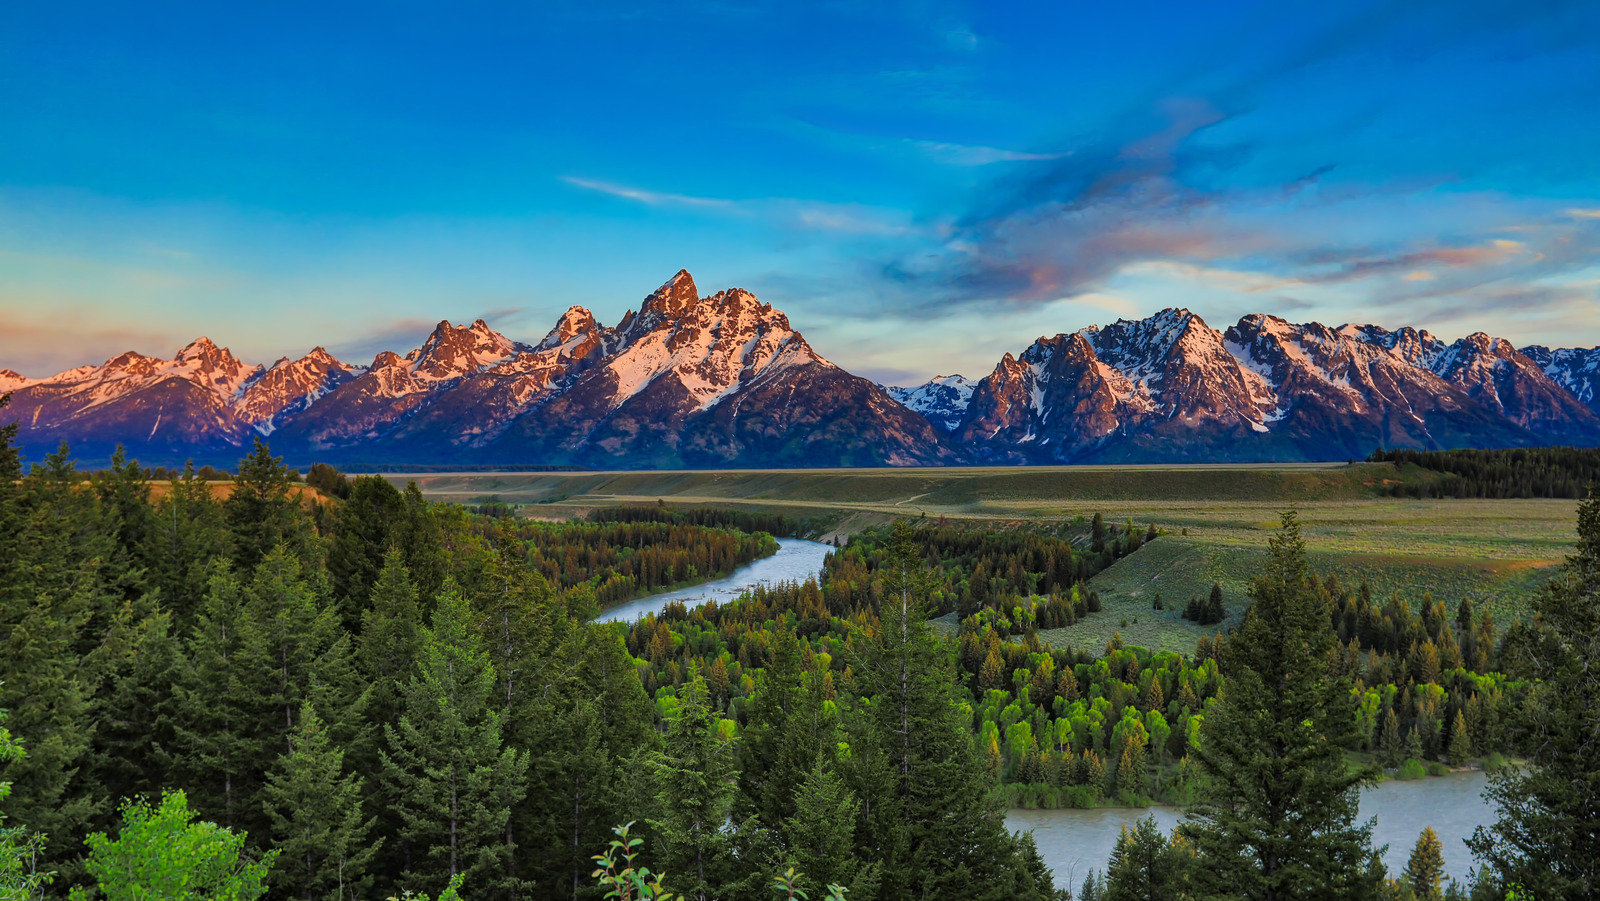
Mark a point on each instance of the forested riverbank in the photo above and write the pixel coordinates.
(372, 694)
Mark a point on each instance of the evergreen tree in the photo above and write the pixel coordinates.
(318, 826)
(262, 512)
(390, 637)
(189, 533)
(782, 736)
(135, 742)
(300, 651)
(219, 725)
(1392, 745)
(821, 836)
(940, 831)
(1544, 839)
(695, 786)
(360, 539)
(1145, 866)
(1425, 871)
(1460, 742)
(446, 762)
(1275, 816)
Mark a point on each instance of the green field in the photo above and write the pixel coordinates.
(1217, 519)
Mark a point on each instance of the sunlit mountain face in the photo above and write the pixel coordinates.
(724, 380)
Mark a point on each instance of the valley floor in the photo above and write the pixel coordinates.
(1217, 519)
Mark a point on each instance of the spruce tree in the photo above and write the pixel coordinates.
(300, 652)
(1275, 816)
(820, 837)
(261, 511)
(391, 633)
(1545, 838)
(1425, 870)
(318, 826)
(446, 762)
(1146, 866)
(941, 831)
(220, 729)
(360, 539)
(695, 786)
(189, 533)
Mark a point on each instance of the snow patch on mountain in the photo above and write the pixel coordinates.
(942, 399)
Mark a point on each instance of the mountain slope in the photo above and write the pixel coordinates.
(724, 380)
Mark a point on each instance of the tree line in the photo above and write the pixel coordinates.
(1563, 472)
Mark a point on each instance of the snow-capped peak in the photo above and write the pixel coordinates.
(574, 322)
(942, 399)
(11, 380)
(455, 351)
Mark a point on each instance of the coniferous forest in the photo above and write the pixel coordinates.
(339, 690)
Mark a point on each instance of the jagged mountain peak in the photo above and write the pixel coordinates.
(942, 399)
(574, 322)
(11, 380)
(452, 352)
(675, 297)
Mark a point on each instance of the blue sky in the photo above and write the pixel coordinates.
(921, 186)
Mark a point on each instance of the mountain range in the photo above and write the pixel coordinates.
(725, 381)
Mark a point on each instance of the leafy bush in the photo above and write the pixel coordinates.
(1412, 769)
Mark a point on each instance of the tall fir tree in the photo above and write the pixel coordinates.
(300, 651)
(319, 828)
(695, 786)
(189, 533)
(361, 534)
(1424, 872)
(940, 831)
(1545, 838)
(221, 732)
(446, 761)
(1275, 816)
(262, 511)
(1146, 866)
(821, 836)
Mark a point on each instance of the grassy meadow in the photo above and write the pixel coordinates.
(1216, 519)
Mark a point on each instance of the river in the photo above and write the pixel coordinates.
(1073, 842)
(796, 561)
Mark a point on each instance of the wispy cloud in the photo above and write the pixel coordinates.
(39, 349)
(652, 198)
(978, 155)
(781, 212)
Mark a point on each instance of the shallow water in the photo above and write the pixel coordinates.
(1073, 842)
(795, 561)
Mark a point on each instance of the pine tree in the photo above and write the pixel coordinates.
(941, 832)
(1544, 838)
(390, 638)
(1460, 742)
(446, 762)
(1275, 816)
(694, 794)
(190, 532)
(261, 511)
(1391, 743)
(300, 651)
(777, 745)
(821, 834)
(1145, 866)
(134, 738)
(1425, 871)
(218, 723)
(318, 826)
(360, 540)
